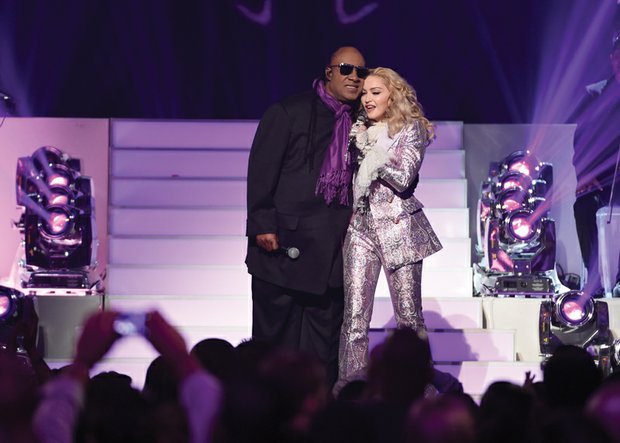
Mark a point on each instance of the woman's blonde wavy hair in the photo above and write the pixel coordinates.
(403, 108)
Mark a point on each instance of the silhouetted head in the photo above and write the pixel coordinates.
(114, 411)
(570, 377)
(440, 419)
(160, 384)
(217, 356)
(604, 408)
(401, 367)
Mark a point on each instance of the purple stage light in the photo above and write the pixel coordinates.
(512, 200)
(57, 179)
(571, 58)
(9, 305)
(58, 225)
(513, 180)
(58, 199)
(574, 318)
(521, 228)
(521, 167)
(522, 162)
(58, 221)
(516, 239)
(574, 308)
(5, 305)
(572, 311)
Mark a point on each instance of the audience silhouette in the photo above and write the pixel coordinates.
(256, 392)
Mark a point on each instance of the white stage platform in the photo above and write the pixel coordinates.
(175, 200)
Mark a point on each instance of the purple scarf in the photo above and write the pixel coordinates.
(336, 171)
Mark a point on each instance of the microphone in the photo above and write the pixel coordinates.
(292, 252)
(352, 152)
(5, 97)
(362, 117)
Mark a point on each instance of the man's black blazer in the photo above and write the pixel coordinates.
(286, 157)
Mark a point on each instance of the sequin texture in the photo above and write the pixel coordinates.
(392, 233)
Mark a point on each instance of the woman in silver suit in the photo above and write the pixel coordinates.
(388, 228)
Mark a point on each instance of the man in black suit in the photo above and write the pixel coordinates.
(298, 197)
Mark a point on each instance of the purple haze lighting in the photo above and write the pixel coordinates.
(26, 201)
(574, 51)
(569, 58)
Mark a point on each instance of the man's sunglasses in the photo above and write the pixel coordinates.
(346, 69)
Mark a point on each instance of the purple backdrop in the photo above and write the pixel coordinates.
(470, 60)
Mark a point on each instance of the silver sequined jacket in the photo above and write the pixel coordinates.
(405, 234)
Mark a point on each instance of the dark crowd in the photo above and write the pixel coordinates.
(255, 392)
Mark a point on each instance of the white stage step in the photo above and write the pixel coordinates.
(462, 345)
(444, 163)
(477, 376)
(233, 163)
(177, 192)
(236, 310)
(182, 133)
(216, 250)
(226, 134)
(177, 221)
(439, 313)
(447, 222)
(179, 163)
(437, 282)
(177, 280)
(148, 192)
(230, 311)
(234, 280)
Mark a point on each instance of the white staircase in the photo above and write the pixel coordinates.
(176, 243)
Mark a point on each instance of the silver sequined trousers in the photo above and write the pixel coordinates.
(362, 264)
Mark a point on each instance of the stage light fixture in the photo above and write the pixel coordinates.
(9, 300)
(523, 226)
(510, 200)
(514, 180)
(10, 310)
(516, 237)
(58, 222)
(575, 318)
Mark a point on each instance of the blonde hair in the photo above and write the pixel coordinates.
(403, 108)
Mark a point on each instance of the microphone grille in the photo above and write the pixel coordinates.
(293, 252)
